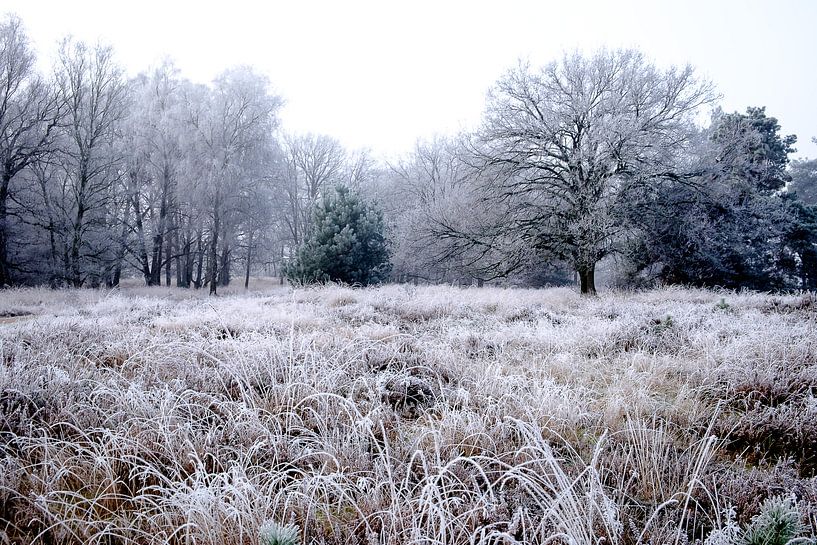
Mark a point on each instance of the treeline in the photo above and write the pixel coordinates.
(589, 160)
(104, 177)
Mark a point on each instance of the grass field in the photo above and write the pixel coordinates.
(405, 415)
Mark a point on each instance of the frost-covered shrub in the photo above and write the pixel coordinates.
(273, 533)
(778, 523)
(727, 534)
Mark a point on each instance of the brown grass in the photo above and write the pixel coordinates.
(401, 414)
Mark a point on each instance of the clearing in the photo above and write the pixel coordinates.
(403, 414)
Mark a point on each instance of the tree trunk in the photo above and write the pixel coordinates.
(224, 266)
(156, 261)
(52, 241)
(587, 279)
(200, 262)
(249, 261)
(159, 239)
(281, 267)
(168, 259)
(75, 272)
(180, 272)
(140, 230)
(123, 241)
(189, 259)
(5, 275)
(54, 257)
(212, 258)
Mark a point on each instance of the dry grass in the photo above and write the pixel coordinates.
(401, 414)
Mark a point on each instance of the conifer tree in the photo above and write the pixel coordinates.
(346, 243)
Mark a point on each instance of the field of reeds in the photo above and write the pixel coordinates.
(407, 415)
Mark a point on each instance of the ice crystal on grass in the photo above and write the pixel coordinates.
(273, 533)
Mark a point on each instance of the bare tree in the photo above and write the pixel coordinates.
(360, 170)
(432, 201)
(230, 123)
(93, 93)
(28, 116)
(313, 163)
(561, 148)
(152, 142)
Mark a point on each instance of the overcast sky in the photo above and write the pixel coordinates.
(379, 74)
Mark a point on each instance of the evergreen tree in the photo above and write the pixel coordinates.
(800, 259)
(804, 180)
(346, 243)
(753, 148)
(728, 226)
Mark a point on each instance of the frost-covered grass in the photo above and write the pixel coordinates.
(403, 415)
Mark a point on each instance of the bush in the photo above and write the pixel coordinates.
(273, 533)
(778, 523)
(346, 243)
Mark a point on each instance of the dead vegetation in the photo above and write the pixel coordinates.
(404, 415)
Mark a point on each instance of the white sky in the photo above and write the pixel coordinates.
(379, 74)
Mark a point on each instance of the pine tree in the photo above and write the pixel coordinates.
(346, 243)
(804, 180)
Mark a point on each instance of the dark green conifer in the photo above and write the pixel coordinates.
(346, 243)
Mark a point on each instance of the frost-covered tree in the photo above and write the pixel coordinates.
(93, 93)
(799, 260)
(429, 185)
(313, 163)
(439, 223)
(152, 142)
(97, 173)
(728, 225)
(802, 237)
(346, 243)
(562, 148)
(28, 115)
(231, 123)
(752, 149)
(803, 174)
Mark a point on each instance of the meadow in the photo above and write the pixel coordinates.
(406, 415)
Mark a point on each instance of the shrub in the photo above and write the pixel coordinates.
(346, 243)
(778, 523)
(273, 533)
(723, 305)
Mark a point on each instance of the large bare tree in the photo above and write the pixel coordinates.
(561, 147)
(93, 92)
(153, 139)
(436, 211)
(313, 163)
(28, 115)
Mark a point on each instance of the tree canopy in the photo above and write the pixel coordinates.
(562, 148)
(804, 180)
